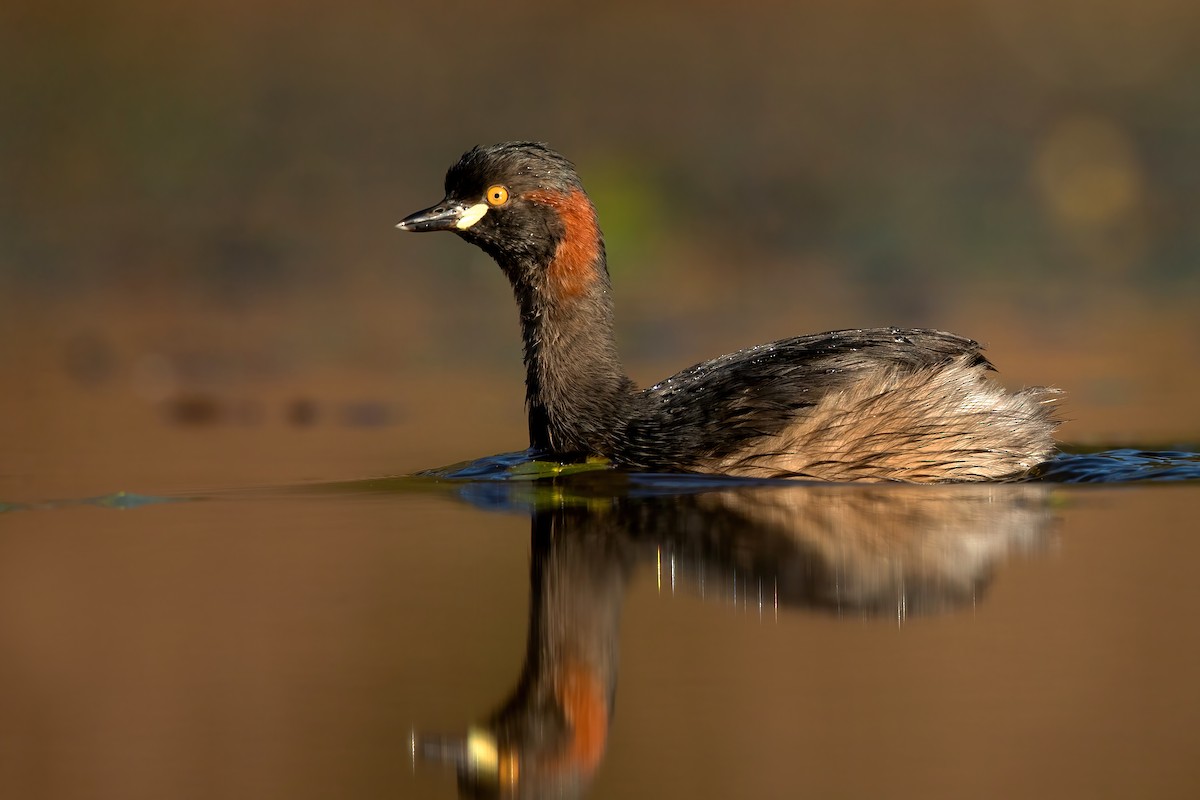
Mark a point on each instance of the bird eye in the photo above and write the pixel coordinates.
(497, 195)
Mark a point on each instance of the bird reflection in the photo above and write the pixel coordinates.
(847, 550)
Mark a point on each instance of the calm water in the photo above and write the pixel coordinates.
(617, 635)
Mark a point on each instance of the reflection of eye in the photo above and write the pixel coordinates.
(497, 195)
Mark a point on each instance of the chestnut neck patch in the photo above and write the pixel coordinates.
(574, 268)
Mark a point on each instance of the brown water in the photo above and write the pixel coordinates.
(915, 643)
(282, 627)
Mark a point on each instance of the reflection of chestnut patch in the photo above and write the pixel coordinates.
(574, 266)
(586, 711)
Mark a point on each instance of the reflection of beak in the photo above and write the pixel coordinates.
(448, 750)
(477, 756)
(448, 215)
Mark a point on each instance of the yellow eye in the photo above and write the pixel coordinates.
(497, 195)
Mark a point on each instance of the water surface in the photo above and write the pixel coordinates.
(701, 638)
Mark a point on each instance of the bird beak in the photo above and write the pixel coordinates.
(448, 215)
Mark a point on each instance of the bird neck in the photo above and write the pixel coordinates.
(576, 390)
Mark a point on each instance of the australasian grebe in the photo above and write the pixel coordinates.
(865, 404)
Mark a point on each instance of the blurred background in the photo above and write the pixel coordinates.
(196, 222)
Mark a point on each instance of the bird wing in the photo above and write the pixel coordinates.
(715, 407)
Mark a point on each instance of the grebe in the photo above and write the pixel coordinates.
(863, 404)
